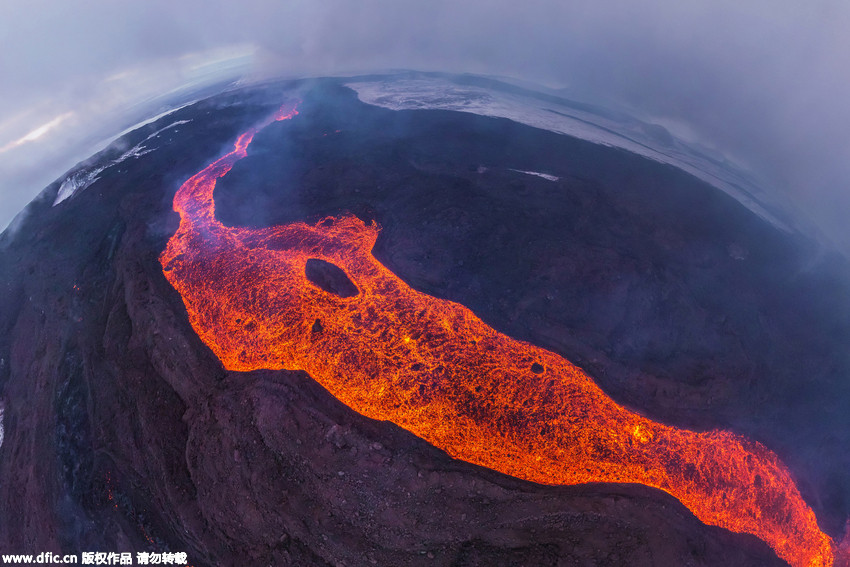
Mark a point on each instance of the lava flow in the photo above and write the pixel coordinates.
(434, 368)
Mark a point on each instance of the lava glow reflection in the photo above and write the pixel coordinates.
(434, 368)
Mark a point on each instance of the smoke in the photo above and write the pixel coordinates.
(762, 81)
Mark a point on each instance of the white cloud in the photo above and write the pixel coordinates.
(37, 133)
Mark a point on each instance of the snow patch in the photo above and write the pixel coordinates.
(151, 120)
(538, 174)
(77, 181)
(82, 178)
(577, 120)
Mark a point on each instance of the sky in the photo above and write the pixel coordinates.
(766, 82)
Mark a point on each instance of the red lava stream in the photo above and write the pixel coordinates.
(434, 368)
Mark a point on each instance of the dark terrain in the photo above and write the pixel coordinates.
(124, 432)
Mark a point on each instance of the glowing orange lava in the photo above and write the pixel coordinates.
(434, 368)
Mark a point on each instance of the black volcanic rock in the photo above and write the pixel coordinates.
(124, 432)
(329, 277)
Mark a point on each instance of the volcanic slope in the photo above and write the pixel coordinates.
(435, 369)
(124, 432)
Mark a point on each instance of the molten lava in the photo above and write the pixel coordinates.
(434, 368)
